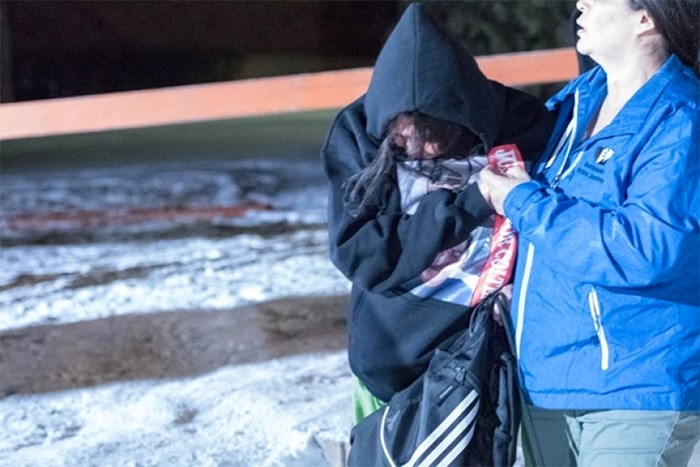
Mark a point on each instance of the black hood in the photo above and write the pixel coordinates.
(422, 68)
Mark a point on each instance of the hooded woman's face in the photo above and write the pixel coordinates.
(405, 137)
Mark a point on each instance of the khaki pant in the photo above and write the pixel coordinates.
(610, 438)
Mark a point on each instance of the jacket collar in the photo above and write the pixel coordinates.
(593, 90)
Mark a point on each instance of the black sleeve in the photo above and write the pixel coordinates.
(382, 248)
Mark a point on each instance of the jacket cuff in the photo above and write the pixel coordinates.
(471, 200)
(517, 198)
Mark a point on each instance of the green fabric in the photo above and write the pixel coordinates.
(364, 401)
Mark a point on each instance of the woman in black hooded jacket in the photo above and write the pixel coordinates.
(380, 248)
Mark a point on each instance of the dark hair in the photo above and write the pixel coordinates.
(677, 20)
(455, 141)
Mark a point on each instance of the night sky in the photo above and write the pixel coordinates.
(67, 48)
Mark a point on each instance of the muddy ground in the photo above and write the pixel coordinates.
(168, 345)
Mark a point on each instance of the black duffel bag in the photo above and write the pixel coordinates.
(463, 411)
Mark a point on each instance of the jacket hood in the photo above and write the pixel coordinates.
(422, 68)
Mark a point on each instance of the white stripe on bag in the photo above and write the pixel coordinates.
(382, 440)
(458, 430)
(461, 446)
(440, 430)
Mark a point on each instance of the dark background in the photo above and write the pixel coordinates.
(65, 48)
(68, 48)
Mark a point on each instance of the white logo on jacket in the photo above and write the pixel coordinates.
(604, 154)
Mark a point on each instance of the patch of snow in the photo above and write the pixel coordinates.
(256, 414)
(278, 412)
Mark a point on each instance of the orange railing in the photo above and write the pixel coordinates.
(244, 98)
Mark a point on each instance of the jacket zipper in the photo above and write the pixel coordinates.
(521, 300)
(564, 170)
(594, 307)
(568, 171)
(568, 138)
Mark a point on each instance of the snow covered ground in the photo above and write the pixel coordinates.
(279, 412)
(74, 297)
(194, 339)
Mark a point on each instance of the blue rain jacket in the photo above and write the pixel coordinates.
(606, 307)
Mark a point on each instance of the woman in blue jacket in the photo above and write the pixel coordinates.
(606, 305)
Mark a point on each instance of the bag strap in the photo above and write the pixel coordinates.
(526, 417)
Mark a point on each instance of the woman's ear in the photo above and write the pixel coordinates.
(645, 23)
(647, 30)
